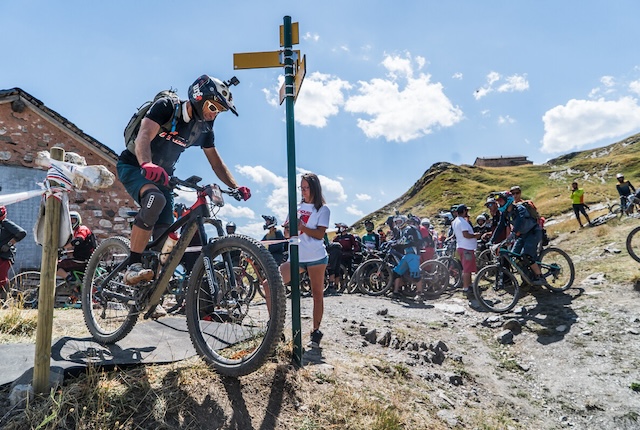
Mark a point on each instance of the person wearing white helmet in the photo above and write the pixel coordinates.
(625, 189)
(167, 129)
(79, 249)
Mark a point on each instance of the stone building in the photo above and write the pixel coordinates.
(515, 160)
(27, 126)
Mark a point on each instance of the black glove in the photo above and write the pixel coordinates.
(5, 248)
(76, 241)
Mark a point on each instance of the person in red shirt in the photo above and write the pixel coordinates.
(429, 248)
(79, 249)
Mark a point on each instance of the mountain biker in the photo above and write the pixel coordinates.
(409, 243)
(577, 199)
(10, 234)
(429, 245)
(371, 240)
(495, 215)
(145, 171)
(276, 249)
(348, 242)
(525, 230)
(82, 245)
(625, 189)
(382, 234)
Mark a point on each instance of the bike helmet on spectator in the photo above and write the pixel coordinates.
(619, 176)
(426, 222)
(368, 225)
(3, 213)
(399, 221)
(269, 221)
(490, 201)
(508, 200)
(481, 219)
(342, 227)
(414, 220)
(212, 89)
(231, 226)
(76, 219)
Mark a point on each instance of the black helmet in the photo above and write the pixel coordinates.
(213, 89)
(269, 221)
(76, 219)
(368, 225)
(231, 225)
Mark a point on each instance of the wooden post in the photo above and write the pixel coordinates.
(46, 297)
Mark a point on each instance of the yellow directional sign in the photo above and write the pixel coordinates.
(257, 60)
(295, 34)
(299, 77)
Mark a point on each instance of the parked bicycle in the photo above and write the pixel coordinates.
(633, 244)
(373, 276)
(229, 328)
(497, 288)
(446, 255)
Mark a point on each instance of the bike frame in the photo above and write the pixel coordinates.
(191, 223)
(509, 256)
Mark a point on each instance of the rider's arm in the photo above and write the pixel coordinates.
(316, 233)
(149, 129)
(631, 186)
(220, 169)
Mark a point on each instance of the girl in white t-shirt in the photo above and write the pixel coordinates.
(313, 220)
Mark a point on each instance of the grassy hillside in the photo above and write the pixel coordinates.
(445, 184)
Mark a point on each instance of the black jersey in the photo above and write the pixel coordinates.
(166, 147)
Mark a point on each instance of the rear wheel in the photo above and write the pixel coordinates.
(484, 258)
(231, 329)
(374, 277)
(557, 269)
(434, 277)
(107, 312)
(455, 271)
(24, 288)
(496, 288)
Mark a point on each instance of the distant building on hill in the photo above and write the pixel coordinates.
(515, 160)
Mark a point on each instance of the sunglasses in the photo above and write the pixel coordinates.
(214, 106)
(516, 192)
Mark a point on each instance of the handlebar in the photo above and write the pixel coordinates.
(192, 182)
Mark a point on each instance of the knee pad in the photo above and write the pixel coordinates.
(151, 205)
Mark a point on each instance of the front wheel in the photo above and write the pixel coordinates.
(25, 288)
(107, 312)
(633, 244)
(455, 271)
(234, 330)
(557, 269)
(374, 277)
(496, 288)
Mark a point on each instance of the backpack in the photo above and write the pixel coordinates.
(133, 126)
(531, 208)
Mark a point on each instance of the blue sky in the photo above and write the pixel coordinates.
(391, 88)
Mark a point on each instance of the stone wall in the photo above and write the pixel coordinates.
(25, 129)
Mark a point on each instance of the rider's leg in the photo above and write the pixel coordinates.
(576, 211)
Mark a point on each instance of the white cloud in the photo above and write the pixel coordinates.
(608, 81)
(505, 119)
(278, 199)
(311, 36)
(363, 197)
(634, 87)
(582, 122)
(457, 76)
(353, 210)
(398, 114)
(320, 97)
(511, 84)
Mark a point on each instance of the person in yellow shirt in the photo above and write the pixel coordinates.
(577, 198)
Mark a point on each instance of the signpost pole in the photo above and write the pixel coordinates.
(293, 207)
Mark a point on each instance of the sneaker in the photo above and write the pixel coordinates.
(539, 281)
(419, 298)
(316, 337)
(158, 312)
(396, 295)
(330, 292)
(136, 273)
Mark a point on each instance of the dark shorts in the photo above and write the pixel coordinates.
(133, 181)
(468, 260)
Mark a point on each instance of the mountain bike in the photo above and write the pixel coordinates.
(230, 328)
(374, 275)
(446, 255)
(633, 244)
(497, 288)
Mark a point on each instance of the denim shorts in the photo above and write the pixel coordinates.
(307, 264)
(133, 181)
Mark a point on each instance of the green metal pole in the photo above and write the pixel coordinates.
(293, 204)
